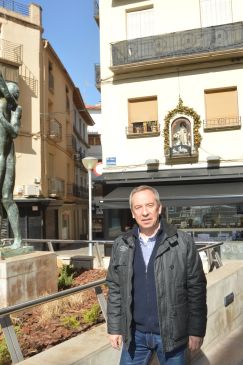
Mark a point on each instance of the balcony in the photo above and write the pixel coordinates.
(184, 47)
(70, 189)
(11, 52)
(143, 129)
(55, 187)
(80, 191)
(15, 6)
(224, 123)
(71, 143)
(97, 76)
(97, 11)
(55, 130)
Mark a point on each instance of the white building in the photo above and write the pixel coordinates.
(172, 100)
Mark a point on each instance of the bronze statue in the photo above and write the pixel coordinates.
(10, 115)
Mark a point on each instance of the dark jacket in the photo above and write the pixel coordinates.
(180, 288)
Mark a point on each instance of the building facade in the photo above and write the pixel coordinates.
(51, 184)
(171, 92)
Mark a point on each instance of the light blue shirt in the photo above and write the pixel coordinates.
(147, 247)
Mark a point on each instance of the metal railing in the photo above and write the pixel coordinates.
(11, 51)
(7, 325)
(177, 44)
(15, 6)
(143, 128)
(5, 320)
(222, 123)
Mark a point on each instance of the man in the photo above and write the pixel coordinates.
(157, 288)
(10, 115)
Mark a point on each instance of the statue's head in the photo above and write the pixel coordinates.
(13, 89)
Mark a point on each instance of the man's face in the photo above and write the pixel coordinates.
(145, 210)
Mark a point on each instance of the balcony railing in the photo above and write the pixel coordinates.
(11, 51)
(71, 143)
(178, 44)
(143, 129)
(80, 191)
(55, 130)
(55, 187)
(222, 123)
(96, 11)
(15, 6)
(97, 76)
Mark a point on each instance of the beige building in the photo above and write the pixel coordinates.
(171, 92)
(51, 184)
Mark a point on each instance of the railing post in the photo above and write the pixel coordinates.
(102, 301)
(11, 339)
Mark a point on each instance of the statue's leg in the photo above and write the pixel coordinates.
(7, 199)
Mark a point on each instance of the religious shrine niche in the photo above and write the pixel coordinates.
(181, 134)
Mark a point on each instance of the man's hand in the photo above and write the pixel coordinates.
(195, 343)
(115, 341)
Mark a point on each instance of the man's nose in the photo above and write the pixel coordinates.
(145, 211)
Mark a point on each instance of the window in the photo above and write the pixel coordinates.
(140, 23)
(94, 140)
(215, 12)
(67, 100)
(221, 108)
(50, 77)
(142, 115)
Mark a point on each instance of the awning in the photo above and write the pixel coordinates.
(182, 195)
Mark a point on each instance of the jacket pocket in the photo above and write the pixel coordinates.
(179, 318)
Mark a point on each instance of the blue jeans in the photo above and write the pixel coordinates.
(142, 348)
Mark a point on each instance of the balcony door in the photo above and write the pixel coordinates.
(140, 23)
(215, 12)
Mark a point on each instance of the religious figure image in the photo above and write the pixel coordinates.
(10, 116)
(182, 136)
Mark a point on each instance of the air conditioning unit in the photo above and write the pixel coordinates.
(31, 190)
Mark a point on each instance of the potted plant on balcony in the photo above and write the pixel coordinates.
(152, 126)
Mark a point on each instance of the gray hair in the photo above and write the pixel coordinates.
(142, 188)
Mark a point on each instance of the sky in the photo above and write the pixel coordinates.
(70, 28)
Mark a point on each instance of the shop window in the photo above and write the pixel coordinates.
(140, 23)
(142, 116)
(221, 109)
(215, 12)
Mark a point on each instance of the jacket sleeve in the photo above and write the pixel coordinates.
(197, 289)
(114, 296)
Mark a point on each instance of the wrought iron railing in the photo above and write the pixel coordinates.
(11, 51)
(80, 191)
(55, 187)
(55, 130)
(222, 123)
(71, 143)
(15, 6)
(177, 44)
(97, 76)
(139, 129)
(96, 11)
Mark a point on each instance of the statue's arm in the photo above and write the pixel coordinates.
(5, 92)
(13, 127)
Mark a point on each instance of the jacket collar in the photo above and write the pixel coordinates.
(167, 231)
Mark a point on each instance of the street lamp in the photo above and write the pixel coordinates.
(89, 163)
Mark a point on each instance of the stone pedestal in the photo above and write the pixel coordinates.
(27, 277)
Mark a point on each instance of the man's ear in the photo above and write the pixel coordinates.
(160, 209)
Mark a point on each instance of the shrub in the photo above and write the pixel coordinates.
(4, 354)
(91, 315)
(65, 278)
(70, 322)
